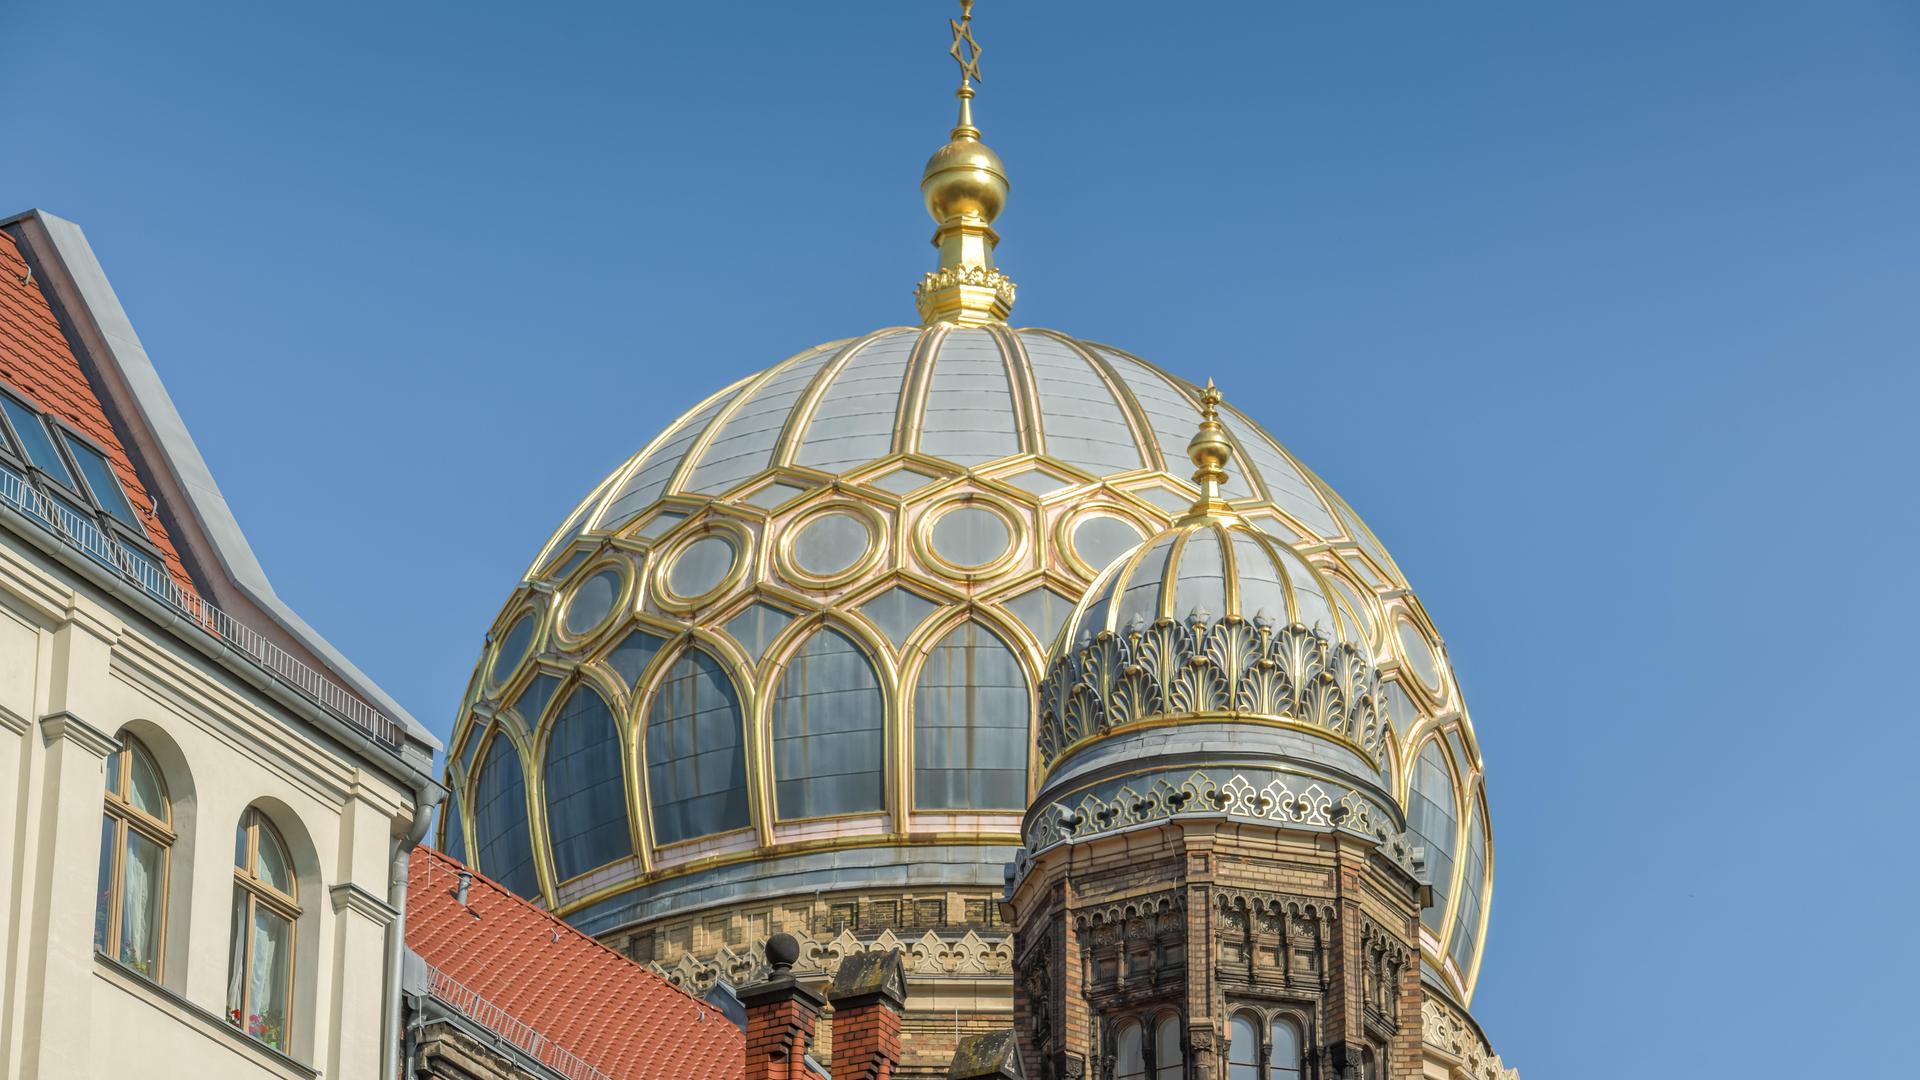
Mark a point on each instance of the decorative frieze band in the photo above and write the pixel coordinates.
(1204, 666)
(931, 954)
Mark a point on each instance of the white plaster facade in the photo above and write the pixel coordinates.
(78, 668)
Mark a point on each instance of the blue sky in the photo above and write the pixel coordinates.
(1604, 316)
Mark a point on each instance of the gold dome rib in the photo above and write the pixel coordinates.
(911, 414)
(1138, 423)
(1023, 385)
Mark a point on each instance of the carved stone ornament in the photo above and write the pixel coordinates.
(931, 954)
(1276, 801)
(1203, 666)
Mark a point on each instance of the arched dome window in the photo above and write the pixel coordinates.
(454, 827)
(1466, 925)
(696, 757)
(500, 835)
(829, 732)
(585, 787)
(1431, 817)
(970, 725)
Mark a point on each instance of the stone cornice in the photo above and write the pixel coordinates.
(65, 725)
(348, 896)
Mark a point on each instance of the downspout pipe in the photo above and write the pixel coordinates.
(425, 798)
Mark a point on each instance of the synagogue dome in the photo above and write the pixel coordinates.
(797, 641)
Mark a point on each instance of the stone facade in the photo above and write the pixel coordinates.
(1203, 918)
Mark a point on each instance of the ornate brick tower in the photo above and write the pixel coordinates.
(1215, 881)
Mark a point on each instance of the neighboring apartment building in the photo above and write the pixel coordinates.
(210, 807)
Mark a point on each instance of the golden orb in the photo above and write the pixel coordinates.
(964, 179)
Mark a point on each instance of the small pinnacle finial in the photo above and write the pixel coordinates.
(1211, 451)
(965, 187)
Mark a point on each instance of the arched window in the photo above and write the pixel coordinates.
(1431, 817)
(1466, 925)
(1369, 1064)
(1169, 1049)
(1129, 1054)
(696, 756)
(829, 732)
(970, 734)
(585, 787)
(1283, 1055)
(1243, 1049)
(454, 828)
(136, 835)
(266, 904)
(500, 835)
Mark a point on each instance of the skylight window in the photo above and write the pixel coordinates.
(101, 482)
(34, 441)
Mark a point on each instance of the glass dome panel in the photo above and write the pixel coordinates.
(1418, 653)
(1079, 415)
(585, 787)
(1430, 817)
(696, 757)
(1200, 586)
(701, 566)
(971, 536)
(969, 413)
(635, 651)
(1043, 610)
(513, 648)
(829, 732)
(454, 843)
(1101, 538)
(756, 627)
(853, 423)
(1261, 587)
(533, 700)
(831, 544)
(1466, 925)
(971, 713)
(593, 601)
(500, 831)
(743, 443)
(1140, 595)
(898, 612)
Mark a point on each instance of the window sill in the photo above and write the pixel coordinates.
(173, 1004)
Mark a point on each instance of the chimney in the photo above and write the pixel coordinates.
(868, 993)
(780, 1017)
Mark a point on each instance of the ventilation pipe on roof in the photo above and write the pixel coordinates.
(425, 799)
(462, 890)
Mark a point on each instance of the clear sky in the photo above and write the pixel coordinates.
(1603, 314)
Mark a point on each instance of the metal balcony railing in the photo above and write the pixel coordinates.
(469, 1003)
(87, 537)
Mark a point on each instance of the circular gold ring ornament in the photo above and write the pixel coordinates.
(579, 596)
(672, 563)
(927, 541)
(499, 676)
(794, 568)
(1070, 523)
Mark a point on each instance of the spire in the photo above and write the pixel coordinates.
(1211, 451)
(965, 187)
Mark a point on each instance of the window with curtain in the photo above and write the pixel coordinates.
(1129, 1051)
(1169, 1049)
(970, 731)
(136, 836)
(500, 835)
(266, 906)
(585, 787)
(1243, 1049)
(696, 752)
(829, 732)
(1283, 1061)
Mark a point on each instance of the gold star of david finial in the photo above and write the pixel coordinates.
(965, 50)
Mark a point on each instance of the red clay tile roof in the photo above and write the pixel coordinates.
(591, 1001)
(37, 361)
